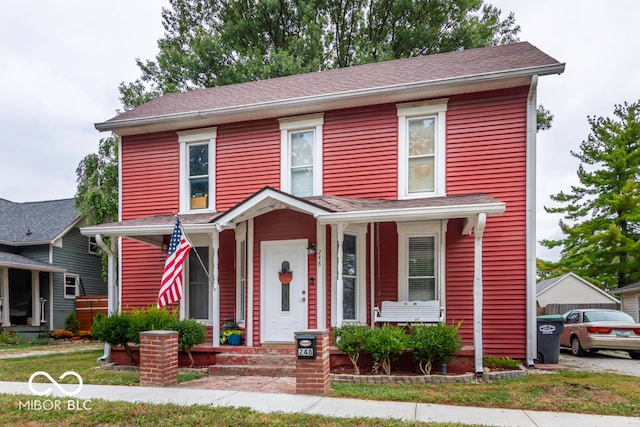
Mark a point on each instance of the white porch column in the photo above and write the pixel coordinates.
(4, 293)
(477, 291)
(321, 282)
(35, 298)
(248, 324)
(339, 281)
(215, 238)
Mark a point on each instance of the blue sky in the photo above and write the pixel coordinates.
(62, 62)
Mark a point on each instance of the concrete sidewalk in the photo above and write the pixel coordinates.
(329, 406)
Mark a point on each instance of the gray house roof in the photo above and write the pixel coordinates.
(629, 288)
(23, 262)
(33, 223)
(545, 284)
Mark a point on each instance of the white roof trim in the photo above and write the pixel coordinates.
(33, 267)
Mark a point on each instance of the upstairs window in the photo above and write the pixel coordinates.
(197, 170)
(71, 286)
(421, 149)
(301, 155)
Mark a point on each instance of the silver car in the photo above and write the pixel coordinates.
(600, 329)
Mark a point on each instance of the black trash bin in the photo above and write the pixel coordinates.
(549, 329)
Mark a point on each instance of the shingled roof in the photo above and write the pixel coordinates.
(412, 75)
(35, 222)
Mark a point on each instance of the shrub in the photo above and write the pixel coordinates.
(62, 334)
(351, 339)
(190, 333)
(85, 335)
(115, 330)
(434, 344)
(9, 338)
(500, 362)
(71, 323)
(385, 345)
(150, 319)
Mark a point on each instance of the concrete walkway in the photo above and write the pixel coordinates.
(329, 406)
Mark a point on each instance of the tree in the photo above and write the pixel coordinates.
(214, 42)
(601, 223)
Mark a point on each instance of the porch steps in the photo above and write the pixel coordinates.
(277, 361)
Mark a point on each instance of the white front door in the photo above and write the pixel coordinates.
(284, 306)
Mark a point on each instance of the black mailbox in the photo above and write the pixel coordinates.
(306, 346)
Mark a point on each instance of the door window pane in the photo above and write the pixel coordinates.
(349, 277)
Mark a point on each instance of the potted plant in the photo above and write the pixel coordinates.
(231, 337)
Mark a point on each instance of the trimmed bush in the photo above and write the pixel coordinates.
(190, 333)
(385, 345)
(62, 334)
(71, 323)
(351, 339)
(434, 344)
(150, 319)
(115, 330)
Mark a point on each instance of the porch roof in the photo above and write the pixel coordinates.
(25, 263)
(326, 209)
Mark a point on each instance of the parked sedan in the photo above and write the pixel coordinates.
(600, 329)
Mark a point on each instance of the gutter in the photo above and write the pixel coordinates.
(115, 125)
(111, 288)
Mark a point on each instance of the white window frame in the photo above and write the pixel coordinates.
(241, 237)
(435, 109)
(197, 137)
(360, 231)
(93, 246)
(76, 278)
(638, 308)
(436, 229)
(289, 125)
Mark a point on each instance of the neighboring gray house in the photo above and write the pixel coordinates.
(571, 289)
(45, 263)
(630, 300)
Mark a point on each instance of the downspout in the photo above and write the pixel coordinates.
(111, 286)
(531, 222)
(477, 292)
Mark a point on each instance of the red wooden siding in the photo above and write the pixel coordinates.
(360, 152)
(247, 159)
(386, 272)
(150, 175)
(283, 224)
(142, 267)
(227, 275)
(486, 152)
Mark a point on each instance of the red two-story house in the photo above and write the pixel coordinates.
(404, 180)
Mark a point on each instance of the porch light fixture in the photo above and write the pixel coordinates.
(311, 249)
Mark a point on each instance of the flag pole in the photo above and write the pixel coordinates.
(195, 250)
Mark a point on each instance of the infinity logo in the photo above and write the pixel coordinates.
(54, 382)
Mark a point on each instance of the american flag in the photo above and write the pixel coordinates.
(171, 286)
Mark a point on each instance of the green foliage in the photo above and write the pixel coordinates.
(115, 330)
(500, 362)
(150, 319)
(211, 43)
(434, 344)
(351, 339)
(190, 333)
(601, 224)
(224, 336)
(544, 118)
(9, 338)
(71, 323)
(386, 344)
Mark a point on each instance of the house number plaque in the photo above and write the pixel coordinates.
(306, 347)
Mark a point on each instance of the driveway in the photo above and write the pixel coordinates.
(616, 362)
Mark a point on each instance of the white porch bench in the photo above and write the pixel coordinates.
(409, 312)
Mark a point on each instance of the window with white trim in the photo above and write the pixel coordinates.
(301, 155)
(354, 292)
(71, 286)
(421, 260)
(197, 169)
(241, 273)
(421, 149)
(93, 246)
(198, 298)
(349, 278)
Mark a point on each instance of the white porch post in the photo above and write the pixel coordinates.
(339, 281)
(215, 237)
(477, 291)
(321, 283)
(6, 320)
(248, 324)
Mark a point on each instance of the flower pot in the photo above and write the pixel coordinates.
(234, 339)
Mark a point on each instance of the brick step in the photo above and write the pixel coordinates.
(251, 370)
(255, 359)
(281, 349)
